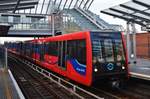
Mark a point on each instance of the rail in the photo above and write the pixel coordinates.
(59, 80)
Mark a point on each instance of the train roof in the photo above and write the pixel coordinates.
(70, 36)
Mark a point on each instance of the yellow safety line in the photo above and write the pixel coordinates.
(6, 85)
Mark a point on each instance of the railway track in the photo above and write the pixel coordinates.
(73, 91)
(35, 86)
(136, 89)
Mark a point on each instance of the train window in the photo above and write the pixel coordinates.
(109, 55)
(102, 50)
(42, 52)
(62, 53)
(119, 50)
(52, 48)
(77, 50)
(98, 51)
(81, 51)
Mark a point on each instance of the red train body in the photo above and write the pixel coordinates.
(84, 57)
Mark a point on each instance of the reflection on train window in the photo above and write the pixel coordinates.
(53, 48)
(102, 50)
(97, 51)
(119, 50)
(109, 55)
(77, 50)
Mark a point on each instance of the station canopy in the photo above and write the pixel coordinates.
(40, 6)
(137, 11)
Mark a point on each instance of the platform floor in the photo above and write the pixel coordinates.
(7, 88)
(141, 69)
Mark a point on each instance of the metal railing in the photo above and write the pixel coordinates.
(89, 18)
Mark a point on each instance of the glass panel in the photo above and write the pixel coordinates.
(77, 50)
(148, 11)
(52, 48)
(145, 1)
(142, 15)
(137, 6)
(97, 51)
(81, 51)
(113, 12)
(108, 50)
(119, 50)
(123, 9)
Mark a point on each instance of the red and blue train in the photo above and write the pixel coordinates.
(84, 57)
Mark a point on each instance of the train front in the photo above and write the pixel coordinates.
(109, 58)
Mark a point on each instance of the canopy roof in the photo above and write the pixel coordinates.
(41, 6)
(137, 11)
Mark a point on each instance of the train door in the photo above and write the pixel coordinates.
(42, 51)
(62, 46)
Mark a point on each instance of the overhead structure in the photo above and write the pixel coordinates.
(44, 7)
(137, 11)
(10, 6)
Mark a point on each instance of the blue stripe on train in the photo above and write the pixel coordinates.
(80, 68)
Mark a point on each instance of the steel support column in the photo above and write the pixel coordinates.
(134, 41)
(53, 24)
(131, 42)
(128, 41)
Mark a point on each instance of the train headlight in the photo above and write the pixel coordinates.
(123, 67)
(95, 69)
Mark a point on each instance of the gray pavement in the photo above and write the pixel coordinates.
(142, 67)
(7, 88)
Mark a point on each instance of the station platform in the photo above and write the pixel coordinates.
(8, 89)
(141, 69)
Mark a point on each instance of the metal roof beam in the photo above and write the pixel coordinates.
(90, 4)
(42, 6)
(125, 13)
(21, 4)
(55, 2)
(136, 10)
(59, 4)
(121, 17)
(65, 4)
(86, 4)
(76, 3)
(70, 4)
(48, 6)
(81, 3)
(18, 2)
(141, 3)
(19, 8)
(26, 14)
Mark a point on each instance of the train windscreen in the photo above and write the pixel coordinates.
(107, 47)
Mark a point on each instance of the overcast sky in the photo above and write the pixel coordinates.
(96, 7)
